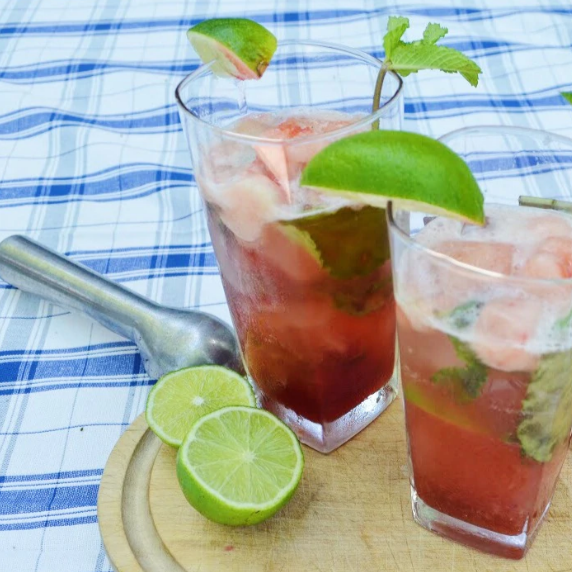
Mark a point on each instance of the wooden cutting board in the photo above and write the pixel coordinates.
(351, 513)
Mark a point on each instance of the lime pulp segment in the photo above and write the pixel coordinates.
(239, 465)
(179, 398)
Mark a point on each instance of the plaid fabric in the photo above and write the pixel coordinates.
(93, 164)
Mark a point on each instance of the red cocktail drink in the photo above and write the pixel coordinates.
(307, 276)
(484, 325)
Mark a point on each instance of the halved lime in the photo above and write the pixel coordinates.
(414, 171)
(239, 47)
(239, 465)
(180, 397)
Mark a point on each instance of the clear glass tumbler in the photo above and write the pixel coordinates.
(307, 277)
(484, 322)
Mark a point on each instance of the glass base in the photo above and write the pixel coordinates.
(326, 437)
(514, 547)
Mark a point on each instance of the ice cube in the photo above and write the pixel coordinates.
(286, 161)
(226, 160)
(546, 226)
(254, 124)
(289, 256)
(431, 287)
(494, 256)
(551, 259)
(247, 204)
(502, 333)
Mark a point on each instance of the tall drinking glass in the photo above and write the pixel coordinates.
(307, 277)
(484, 320)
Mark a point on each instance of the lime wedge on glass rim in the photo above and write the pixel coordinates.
(239, 48)
(413, 171)
(181, 397)
(239, 465)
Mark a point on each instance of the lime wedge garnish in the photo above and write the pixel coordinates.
(414, 171)
(239, 465)
(239, 47)
(179, 398)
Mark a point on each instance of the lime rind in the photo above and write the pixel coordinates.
(208, 500)
(238, 47)
(180, 397)
(413, 171)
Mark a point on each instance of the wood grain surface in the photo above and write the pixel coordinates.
(351, 513)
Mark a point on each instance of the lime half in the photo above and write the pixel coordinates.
(239, 47)
(414, 171)
(179, 398)
(239, 465)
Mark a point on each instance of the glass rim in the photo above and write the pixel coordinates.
(463, 266)
(504, 130)
(367, 119)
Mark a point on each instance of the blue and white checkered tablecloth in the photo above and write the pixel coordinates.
(93, 163)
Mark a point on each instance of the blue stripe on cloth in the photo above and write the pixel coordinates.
(117, 178)
(31, 122)
(70, 351)
(59, 522)
(163, 121)
(127, 264)
(49, 498)
(124, 179)
(74, 385)
(70, 69)
(58, 69)
(53, 71)
(84, 366)
(155, 250)
(50, 476)
(160, 24)
(151, 274)
(46, 515)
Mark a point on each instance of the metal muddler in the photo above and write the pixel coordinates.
(168, 338)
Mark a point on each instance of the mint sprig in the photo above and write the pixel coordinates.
(406, 58)
(567, 95)
(465, 382)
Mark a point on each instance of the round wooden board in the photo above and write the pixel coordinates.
(351, 513)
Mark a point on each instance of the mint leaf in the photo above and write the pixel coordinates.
(411, 57)
(396, 27)
(396, 23)
(433, 33)
(563, 324)
(360, 299)
(347, 243)
(547, 407)
(465, 382)
(567, 95)
(464, 315)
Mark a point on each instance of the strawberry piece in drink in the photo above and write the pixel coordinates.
(286, 161)
(552, 259)
(503, 329)
(248, 204)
